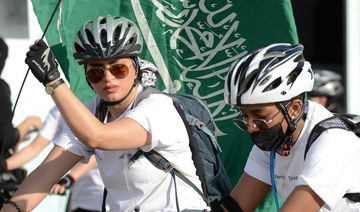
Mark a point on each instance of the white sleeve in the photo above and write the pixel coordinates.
(70, 142)
(258, 165)
(153, 114)
(53, 125)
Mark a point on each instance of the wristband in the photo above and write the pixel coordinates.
(230, 204)
(49, 89)
(216, 206)
(13, 204)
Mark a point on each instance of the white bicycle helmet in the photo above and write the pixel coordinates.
(107, 37)
(327, 83)
(274, 73)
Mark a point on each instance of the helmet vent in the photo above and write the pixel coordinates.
(299, 58)
(248, 83)
(273, 85)
(293, 75)
(117, 33)
(103, 37)
(78, 48)
(103, 21)
(131, 41)
(276, 54)
(265, 80)
(90, 37)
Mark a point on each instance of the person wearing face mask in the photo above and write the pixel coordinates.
(269, 86)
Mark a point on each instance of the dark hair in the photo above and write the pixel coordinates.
(3, 53)
(300, 96)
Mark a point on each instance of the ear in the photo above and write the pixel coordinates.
(295, 109)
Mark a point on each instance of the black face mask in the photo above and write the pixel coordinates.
(270, 139)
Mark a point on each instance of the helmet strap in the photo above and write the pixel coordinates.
(292, 125)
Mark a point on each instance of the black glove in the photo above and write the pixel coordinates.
(230, 204)
(42, 62)
(67, 182)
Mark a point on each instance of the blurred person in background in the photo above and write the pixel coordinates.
(83, 180)
(10, 136)
(327, 89)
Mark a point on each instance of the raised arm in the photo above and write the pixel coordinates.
(84, 125)
(38, 184)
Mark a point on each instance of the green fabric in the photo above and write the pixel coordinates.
(191, 42)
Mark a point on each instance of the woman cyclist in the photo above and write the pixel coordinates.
(109, 47)
(268, 85)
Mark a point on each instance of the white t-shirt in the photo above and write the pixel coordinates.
(87, 191)
(331, 168)
(142, 184)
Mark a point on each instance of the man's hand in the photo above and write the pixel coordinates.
(31, 123)
(42, 62)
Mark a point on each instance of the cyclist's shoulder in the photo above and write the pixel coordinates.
(152, 97)
(3, 84)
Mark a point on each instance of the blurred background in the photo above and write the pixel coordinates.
(329, 31)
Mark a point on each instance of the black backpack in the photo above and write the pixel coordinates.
(348, 122)
(203, 144)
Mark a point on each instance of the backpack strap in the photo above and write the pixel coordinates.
(329, 123)
(339, 121)
(201, 126)
(188, 121)
(103, 206)
(100, 113)
(193, 121)
(355, 197)
(162, 163)
(195, 156)
(186, 117)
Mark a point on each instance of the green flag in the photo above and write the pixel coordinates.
(192, 42)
